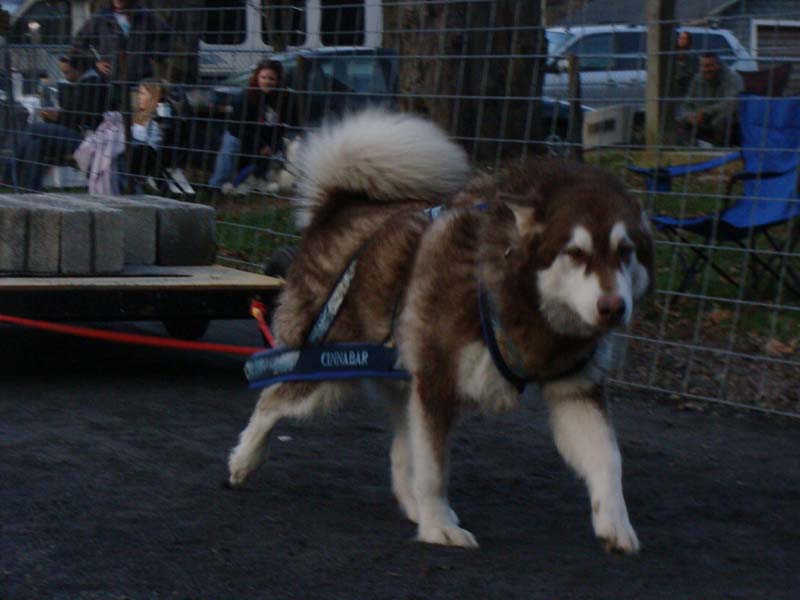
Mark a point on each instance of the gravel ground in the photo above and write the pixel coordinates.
(111, 460)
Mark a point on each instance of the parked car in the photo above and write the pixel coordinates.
(613, 60)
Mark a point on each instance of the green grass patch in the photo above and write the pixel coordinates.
(251, 229)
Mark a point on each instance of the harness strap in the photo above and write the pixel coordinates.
(332, 361)
(493, 337)
(331, 307)
(490, 323)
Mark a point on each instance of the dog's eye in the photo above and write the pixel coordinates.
(577, 254)
(625, 251)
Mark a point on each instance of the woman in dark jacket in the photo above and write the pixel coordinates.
(254, 132)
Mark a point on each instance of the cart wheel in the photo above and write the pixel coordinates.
(278, 264)
(187, 329)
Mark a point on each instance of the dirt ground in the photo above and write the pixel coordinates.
(111, 460)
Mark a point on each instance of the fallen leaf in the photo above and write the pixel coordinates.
(775, 347)
(718, 315)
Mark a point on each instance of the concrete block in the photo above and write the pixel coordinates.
(44, 240)
(13, 236)
(140, 221)
(105, 242)
(41, 236)
(73, 245)
(186, 232)
(109, 240)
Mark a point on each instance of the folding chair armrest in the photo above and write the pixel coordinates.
(748, 176)
(660, 178)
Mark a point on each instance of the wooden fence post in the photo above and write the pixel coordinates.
(660, 17)
(575, 126)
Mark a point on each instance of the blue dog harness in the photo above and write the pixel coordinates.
(315, 361)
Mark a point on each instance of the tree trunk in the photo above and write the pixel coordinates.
(474, 68)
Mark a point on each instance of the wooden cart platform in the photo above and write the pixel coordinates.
(184, 298)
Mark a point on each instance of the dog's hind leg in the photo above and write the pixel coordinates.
(585, 438)
(296, 400)
(429, 431)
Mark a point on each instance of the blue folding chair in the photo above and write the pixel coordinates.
(770, 133)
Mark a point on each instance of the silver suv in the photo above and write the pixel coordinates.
(613, 60)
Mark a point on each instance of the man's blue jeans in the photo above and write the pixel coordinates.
(41, 145)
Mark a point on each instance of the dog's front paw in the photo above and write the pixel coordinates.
(447, 535)
(239, 468)
(613, 527)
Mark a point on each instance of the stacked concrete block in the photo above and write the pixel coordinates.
(13, 236)
(99, 234)
(44, 239)
(140, 222)
(92, 238)
(186, 233)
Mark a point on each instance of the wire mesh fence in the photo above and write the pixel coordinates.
(215, 96)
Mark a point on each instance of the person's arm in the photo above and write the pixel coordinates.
(236, 120)
(159, 38)
(87, 35)
(88, 39)
(83, 103)
(690, 102)
(155, 137)
(732, 86)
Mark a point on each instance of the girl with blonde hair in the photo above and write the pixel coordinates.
(146, 135)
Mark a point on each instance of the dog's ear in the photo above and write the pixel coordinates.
(527, 211)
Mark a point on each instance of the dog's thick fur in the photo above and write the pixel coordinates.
(562, 249)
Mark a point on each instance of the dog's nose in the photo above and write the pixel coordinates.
(611, 308)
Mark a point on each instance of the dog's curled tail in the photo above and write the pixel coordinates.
(386, 155)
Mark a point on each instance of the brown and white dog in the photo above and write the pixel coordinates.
(562, 252)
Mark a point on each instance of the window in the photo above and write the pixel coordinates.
(342, 22)
(283, 23)
(556, 39)
(630, 50)
(225, 22)
(594, 52)
(360, 74)
(44, 23)
(713, 42)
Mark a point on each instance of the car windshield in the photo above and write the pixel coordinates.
(556, 39)
(358, 74)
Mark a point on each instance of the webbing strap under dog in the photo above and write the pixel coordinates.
(315, 361)
(326, 362)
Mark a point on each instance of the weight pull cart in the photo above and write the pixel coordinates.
(184, 298)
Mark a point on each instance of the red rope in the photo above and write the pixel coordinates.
(130, 338)
(258, 310)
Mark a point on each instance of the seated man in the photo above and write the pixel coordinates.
(709, 110)
(54, 140)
